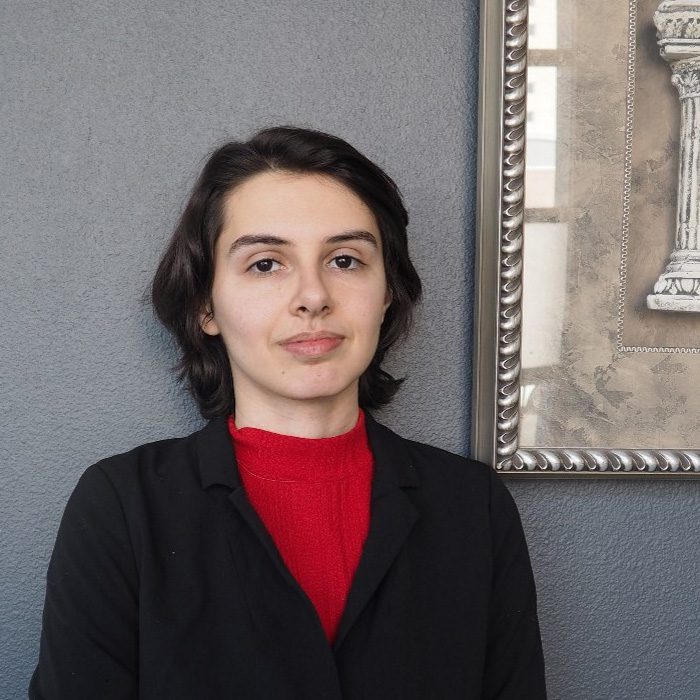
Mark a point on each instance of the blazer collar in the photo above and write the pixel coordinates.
(217, 463)
(392, 461)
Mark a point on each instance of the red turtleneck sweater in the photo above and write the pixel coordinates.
(312, 495)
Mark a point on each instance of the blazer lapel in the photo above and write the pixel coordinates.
(248, 513)
(392, 517)
(217, 465)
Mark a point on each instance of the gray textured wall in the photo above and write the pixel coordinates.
(107, 112)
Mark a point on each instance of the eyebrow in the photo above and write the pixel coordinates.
(255, 239)
(353, 236)
(268, 239)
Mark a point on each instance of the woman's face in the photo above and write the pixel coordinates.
(299, 290)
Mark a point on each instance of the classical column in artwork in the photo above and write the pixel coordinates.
(678, 25)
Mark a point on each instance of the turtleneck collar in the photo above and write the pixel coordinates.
(269, 455)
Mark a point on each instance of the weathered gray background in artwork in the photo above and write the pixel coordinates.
(108, 110)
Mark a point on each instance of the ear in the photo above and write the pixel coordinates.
(208, 323)
(388, 298)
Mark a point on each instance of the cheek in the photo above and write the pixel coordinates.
(375, 301)
(370, 313)
(242, 317)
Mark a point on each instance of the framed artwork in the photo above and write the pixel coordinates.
(587, 316)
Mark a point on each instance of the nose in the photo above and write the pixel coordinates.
(312, 296)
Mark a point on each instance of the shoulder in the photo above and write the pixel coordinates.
(448, 463)
(432, 464)
(462, 477)
(156, 455)
(128, 498)
(151, 460)
(151, 468)
(450, 477)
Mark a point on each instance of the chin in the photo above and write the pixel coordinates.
(318, 389)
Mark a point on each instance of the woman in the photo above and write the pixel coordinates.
(293, 547)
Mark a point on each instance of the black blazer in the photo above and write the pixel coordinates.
(165, 585)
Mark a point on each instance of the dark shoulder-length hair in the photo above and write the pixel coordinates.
(181, 288)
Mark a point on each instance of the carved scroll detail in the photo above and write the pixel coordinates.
(513, 204)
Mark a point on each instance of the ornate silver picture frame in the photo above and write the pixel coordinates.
(575, 372)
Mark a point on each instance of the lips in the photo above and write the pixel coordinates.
(312, 344)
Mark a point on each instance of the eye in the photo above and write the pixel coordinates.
(346, 262)
(264, 266)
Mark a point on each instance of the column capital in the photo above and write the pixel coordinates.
(678, 29)
(686, 77)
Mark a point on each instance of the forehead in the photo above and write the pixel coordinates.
(281, 201)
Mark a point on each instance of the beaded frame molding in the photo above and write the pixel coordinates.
(498, 277)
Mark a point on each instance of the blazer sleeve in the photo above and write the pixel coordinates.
(89, 634)
(515, 664)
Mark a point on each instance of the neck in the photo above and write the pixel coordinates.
(310, 419)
